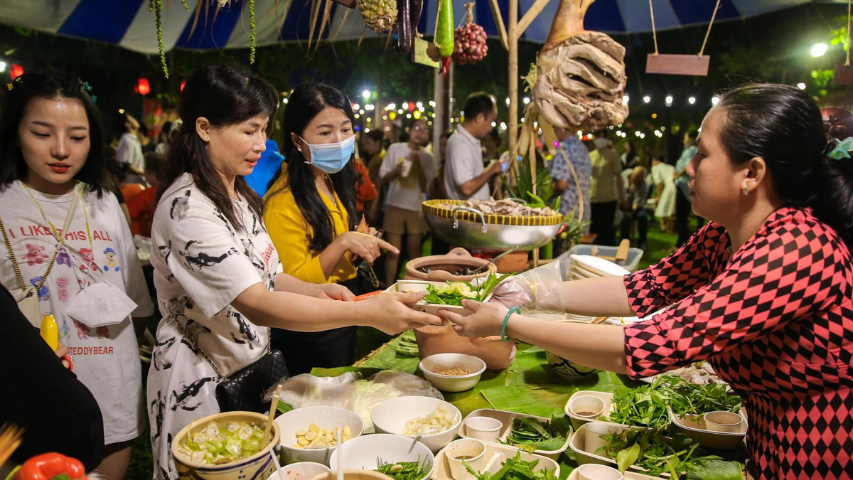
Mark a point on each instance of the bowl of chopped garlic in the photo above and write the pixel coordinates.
(308, 434)
(452, 372)
(431, 421)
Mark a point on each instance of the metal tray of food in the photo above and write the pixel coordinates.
(471, 228)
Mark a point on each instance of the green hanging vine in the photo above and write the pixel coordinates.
(252, 31)
(156, 6)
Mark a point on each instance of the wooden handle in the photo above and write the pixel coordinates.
(622, 252)
(273, 405)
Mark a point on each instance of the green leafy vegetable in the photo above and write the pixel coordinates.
(689, 398)
(678, 456)
(531, 434)
(645, 407)
(452, 293)
(404, 470)
(514, 469)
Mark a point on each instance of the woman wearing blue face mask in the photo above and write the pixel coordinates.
(310, 214)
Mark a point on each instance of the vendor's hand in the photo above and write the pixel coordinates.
(333, 291)
(365, 246)
(512, 293)
(486, 321)
(415, 157)
(389, 312)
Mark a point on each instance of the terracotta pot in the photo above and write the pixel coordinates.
(443, 339)
(513, 263)
(443, 266)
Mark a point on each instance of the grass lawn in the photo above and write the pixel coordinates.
(658, 245)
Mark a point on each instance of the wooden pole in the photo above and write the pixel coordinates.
(531, 15)
(499, 22)
(439, 121)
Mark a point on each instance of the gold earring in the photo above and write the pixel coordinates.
(745, 191)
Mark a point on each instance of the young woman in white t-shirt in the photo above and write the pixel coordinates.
(219, 281)
(51, 151)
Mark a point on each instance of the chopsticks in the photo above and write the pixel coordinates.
(10, 440)
(273, 406)
(366, 296)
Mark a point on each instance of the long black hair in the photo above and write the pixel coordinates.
(304, 104)
(225, 96)
(50, 85)
(783, 125)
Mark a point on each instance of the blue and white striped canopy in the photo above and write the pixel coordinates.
(128, 23)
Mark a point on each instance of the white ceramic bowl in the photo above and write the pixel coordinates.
(325, 418)
(300, 471)
(391, 416)
(452, 383)
(365, 452)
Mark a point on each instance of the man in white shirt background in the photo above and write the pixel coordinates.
(408, 171)
(465, 177)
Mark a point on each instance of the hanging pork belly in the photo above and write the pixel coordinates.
(581, 74)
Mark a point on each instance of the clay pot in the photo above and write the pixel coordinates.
(443, 339)
(444, 266)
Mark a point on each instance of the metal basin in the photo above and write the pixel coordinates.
(469, 228)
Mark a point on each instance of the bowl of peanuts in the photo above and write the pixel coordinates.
(452, 372)
(309, 434)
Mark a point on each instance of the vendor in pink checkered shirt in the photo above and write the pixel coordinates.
(764, 292)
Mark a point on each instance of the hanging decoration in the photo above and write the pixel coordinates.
(156, 7)
(580, 75)
(668, 64)
(470, 47)
(16, 71)
(378, 15)
(142, 86)
(444, 38)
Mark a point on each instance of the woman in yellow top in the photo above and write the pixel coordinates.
(310, 215)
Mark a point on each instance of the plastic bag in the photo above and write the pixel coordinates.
(536, 289)
(352, 392)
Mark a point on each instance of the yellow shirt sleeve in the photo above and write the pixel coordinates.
(289, 233)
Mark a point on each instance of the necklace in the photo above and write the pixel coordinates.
(56, 233)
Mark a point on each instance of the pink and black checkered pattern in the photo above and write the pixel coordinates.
(776, 323)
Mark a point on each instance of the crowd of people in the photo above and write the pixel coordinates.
(257, 250)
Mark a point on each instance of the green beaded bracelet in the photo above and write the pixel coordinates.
(506, 319)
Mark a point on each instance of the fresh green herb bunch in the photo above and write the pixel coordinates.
(531, 434)
(678, 456)
(644, 407)
(689, 398)
(452, 293)
(514, 469)
(403, 470)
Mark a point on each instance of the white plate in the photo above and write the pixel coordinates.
(406, 286)
(627, 475)
(599, 266)
(495, 454)
(506, 419)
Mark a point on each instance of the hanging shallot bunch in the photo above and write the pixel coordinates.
(470, 45)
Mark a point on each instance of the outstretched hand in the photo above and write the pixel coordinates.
(486, 321)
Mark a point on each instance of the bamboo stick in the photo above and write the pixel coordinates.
(499, 22)
(531, 15)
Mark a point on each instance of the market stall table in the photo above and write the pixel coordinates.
(528, 386)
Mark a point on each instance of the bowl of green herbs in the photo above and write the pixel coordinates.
(450, 295)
